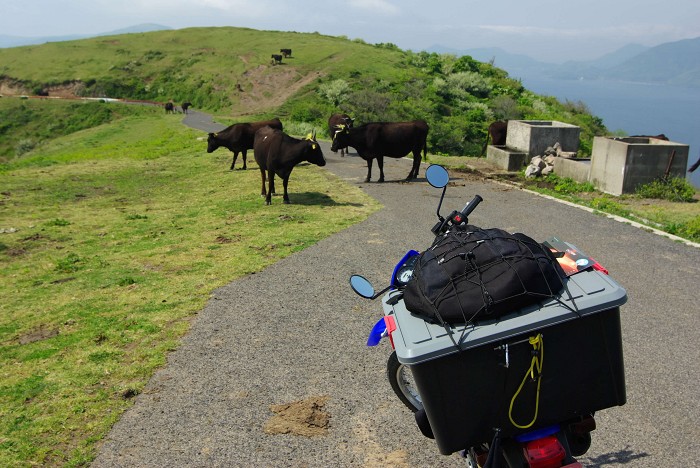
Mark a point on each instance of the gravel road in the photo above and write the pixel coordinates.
(294, 335)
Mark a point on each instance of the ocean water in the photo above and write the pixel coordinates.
(636, 108)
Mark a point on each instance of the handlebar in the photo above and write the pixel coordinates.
(457, 218)
(469, 207)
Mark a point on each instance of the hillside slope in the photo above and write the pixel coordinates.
(228, 71)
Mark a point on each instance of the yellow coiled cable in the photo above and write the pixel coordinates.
(535, 366)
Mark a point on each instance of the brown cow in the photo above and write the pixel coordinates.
(497, 133)
(392, 139)
(239, 138)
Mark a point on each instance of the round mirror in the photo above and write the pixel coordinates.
(362, 286)
(437, 176)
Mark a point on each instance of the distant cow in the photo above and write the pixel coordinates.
(276, 58)
(286, 52)
(334, 123)
(278, 153)
(660, 136)
(185, 106)
(497, 133)
(392, 139)
(169, 108)
(239, 138)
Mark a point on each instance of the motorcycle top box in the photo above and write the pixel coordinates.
(479, 377)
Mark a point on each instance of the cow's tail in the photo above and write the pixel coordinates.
(486, 144)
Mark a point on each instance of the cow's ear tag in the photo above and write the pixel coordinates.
(313, 146)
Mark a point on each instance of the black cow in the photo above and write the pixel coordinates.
(334, 122)
(185, 106)
(660, 136)
(497, 133)
(392, 139)
(278, 153)
(276, 58)
(286, 52)
(169, 108)
(239, 138)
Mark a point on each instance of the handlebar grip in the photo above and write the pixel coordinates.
(469, 207)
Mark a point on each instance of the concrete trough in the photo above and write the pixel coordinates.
(620, 165)
(506, 158)
(533, 137)
(575, 169)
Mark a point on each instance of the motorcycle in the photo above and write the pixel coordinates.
(447, 413)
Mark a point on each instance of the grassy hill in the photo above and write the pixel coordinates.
(228, 71)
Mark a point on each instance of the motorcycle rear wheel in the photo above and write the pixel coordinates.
(403, 384)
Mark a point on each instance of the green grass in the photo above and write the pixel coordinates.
(113, 239)
(25, 124)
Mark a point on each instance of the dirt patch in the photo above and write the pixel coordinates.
(38, 334)
(10, 87)
(268, 87)
(304, 417)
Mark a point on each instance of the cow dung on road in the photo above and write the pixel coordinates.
(304, 417)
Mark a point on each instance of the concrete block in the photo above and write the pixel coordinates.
(535, 136)
(576, 169)
(505, 158)
(620, 165)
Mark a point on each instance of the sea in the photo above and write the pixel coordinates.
(635, 108)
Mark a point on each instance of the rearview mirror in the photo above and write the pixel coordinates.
(362, 286)
(437, 176)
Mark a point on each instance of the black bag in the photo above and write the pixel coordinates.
(471, 273)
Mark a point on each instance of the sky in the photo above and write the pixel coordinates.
(547, 30)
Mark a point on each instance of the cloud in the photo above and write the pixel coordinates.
(375, 6)
(243, 7)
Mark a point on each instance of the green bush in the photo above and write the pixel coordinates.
(567, 185)
(673, 189)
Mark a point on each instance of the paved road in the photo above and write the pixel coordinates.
(295, 331)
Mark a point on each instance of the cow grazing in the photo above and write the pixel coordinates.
(392, 139)
(333, 124)
(185, 106)
(497, 133)
(239, 138)
(276, 58)
(278, 153)
(286, 52)
(169, 108)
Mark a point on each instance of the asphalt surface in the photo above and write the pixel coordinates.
(296, 331)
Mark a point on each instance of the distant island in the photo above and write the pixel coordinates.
(674, 63)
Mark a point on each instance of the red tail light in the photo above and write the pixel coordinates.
(544, 453)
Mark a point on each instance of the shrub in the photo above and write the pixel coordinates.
(674, 189)
(24, 146)
(335, 92)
